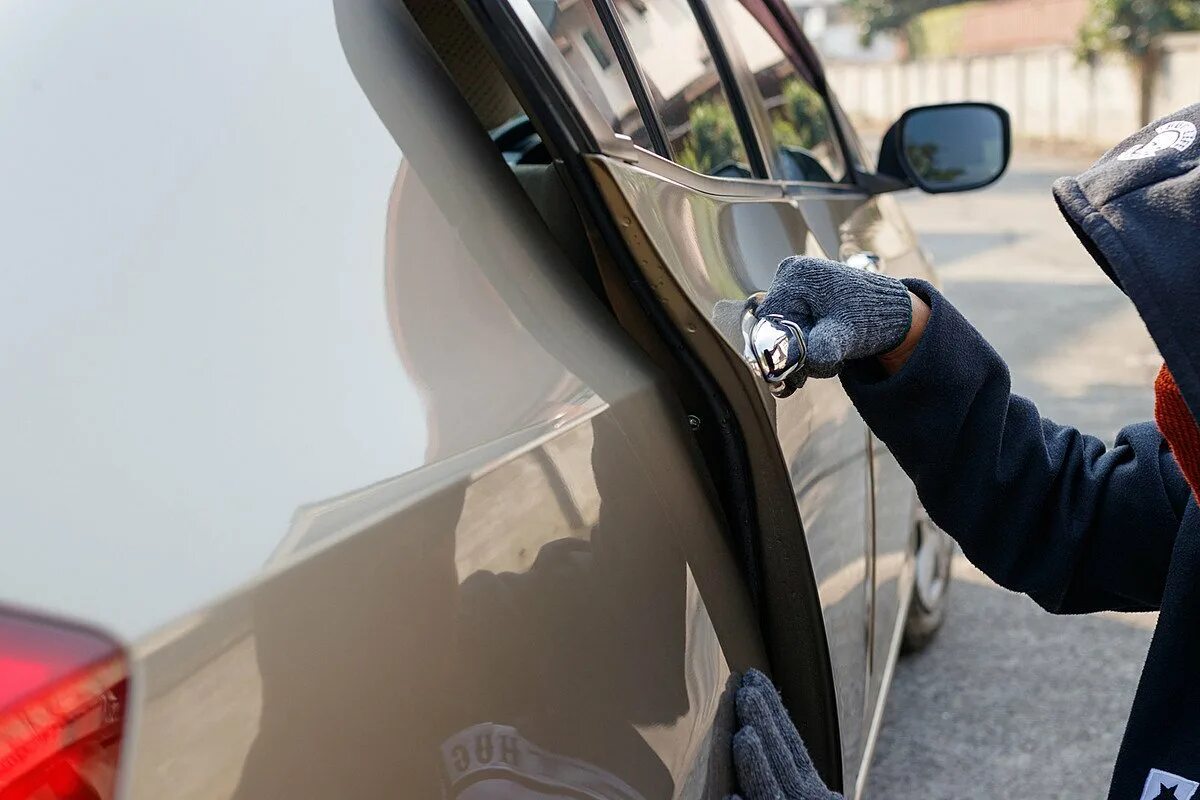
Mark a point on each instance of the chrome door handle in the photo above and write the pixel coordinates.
(774, 348)
(867, 260)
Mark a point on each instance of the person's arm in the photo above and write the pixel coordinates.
(1041, 508)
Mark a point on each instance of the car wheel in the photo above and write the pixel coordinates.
(931, 584)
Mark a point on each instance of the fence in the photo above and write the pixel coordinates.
(1050, 94)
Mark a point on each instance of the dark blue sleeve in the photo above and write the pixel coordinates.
(1041, 508)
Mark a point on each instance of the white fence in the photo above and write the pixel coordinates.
(1050, 94)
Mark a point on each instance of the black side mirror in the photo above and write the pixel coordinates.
(953, 147)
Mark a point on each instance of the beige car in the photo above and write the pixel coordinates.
(378, 420)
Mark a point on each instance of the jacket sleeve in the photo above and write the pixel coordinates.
(1041, 508)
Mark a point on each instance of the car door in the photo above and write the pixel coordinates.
(816, 153)
(805, 149)
(708, 225)
(402, 511)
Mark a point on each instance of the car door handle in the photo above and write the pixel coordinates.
(867, 260)
(774, 348)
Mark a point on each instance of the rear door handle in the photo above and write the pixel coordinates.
(774, 347)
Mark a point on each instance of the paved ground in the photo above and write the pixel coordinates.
(1010, 701)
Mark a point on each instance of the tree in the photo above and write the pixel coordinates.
(881, 16)
(714, 139)
(1135, 28)
(805, 113)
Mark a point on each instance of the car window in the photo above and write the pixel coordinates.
(802, 130)
(693, 105)
(579, 35)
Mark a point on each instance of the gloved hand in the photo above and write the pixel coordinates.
(768, 753)
(845, 313)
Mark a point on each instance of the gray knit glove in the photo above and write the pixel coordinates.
(768, 754)
(845, 313)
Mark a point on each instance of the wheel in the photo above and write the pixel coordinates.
(931, 584)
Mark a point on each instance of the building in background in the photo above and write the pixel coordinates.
(999, 26)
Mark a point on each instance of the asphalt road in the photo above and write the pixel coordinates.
(1010, 701)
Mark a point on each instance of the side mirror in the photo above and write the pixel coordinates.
(953, 147)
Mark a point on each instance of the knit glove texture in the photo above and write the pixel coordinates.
(769, 756)
(845, 313)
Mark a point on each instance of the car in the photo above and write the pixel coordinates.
(378, 415)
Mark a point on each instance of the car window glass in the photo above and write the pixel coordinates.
(802, 129)
(683, 82)
(579, 35)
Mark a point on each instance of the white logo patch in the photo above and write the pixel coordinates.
(1178, 135)
(1161, 785)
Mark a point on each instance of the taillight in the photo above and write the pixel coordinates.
(62, 702)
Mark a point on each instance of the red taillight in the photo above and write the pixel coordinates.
(62, 702)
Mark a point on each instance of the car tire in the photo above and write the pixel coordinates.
(934, 553)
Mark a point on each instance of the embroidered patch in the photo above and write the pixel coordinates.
(1161, 785)
(1178, 135)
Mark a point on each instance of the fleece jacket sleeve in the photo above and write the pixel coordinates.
(1041, 508)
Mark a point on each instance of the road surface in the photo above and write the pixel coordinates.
(1010, 701)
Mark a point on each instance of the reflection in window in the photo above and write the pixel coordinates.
(577, 31)
(599, 52)
(801, 127)
(687, 92)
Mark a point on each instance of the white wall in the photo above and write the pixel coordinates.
(1050, 95)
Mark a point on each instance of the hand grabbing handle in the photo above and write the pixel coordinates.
(844, 313)
(774, 347)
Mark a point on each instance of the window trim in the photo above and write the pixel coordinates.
(615, 31)
(729, 80)
(851, 151)
(588, 127)
(747, 89)
(815, 81)
(754, 132)
(641, 91)
(563, 97)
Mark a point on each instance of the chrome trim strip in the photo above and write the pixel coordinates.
(860, 783)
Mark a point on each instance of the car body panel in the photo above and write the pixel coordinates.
(845, 221)
(849, 224)
(878, 226)
(309, 412)
(857, 505)
(494, 600)
(720, 240)
(721, 250)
